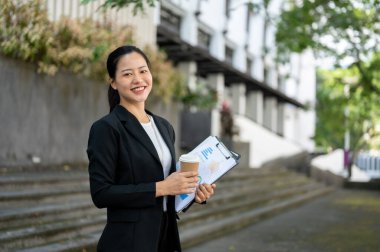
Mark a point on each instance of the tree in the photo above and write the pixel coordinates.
(349, 32)
(363, 114)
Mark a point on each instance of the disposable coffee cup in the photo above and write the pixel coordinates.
(189, 162)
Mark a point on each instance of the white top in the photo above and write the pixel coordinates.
(161, 148)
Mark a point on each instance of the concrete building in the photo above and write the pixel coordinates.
(232, 48)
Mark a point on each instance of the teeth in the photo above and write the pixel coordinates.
(138, 88)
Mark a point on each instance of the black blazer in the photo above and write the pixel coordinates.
(124, 167)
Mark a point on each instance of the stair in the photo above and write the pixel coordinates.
(244, 197)
(47, 210)
(51, 210)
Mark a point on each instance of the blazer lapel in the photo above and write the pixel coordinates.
(133, 126)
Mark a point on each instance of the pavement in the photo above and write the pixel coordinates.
(344, 220)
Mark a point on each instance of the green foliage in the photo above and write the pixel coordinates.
(202, 96)
(363, 115)
(168, 83)
(349, 32)
(80, 46)
(346, 30)
(138, 5)
(83, 46)
(24, 30)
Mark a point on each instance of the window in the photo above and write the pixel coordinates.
(204, 39)
(281, 83)
(266, 74)
(170, 20)
(249, 66)
(229, 55)
(228, 5)
(248, 21)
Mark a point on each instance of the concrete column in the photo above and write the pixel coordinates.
(258, 68)
(189, 70)
(272, 78)
(255, 106)
(217, 47)
(238, 98)
(280, 118)
(189, 28)
(270, 113)
(240, 59)
(216, 81)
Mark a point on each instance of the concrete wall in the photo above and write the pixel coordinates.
(299, 162)
(46, 120)
(264, 145)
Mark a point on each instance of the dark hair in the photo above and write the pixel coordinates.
(113, 59)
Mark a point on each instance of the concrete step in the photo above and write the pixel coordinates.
(40, 210)
(246, 193)
(43, 169)
(255, 183)
(241, 172)
(45, 206)
(31, 187)
(236, 178)
(40, 178)
(41, 215)
(86, 242)
(52, 210)
(212, 229)
(7, 205)
(52, 232)
(43, 191)
(207, 213)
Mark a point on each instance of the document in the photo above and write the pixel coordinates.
(215, 161)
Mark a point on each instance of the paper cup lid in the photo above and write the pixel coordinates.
(189, 158)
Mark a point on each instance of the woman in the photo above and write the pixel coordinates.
(132, 163)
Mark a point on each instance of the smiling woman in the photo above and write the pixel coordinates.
(129, 69)
(132, 163)
(131, 79)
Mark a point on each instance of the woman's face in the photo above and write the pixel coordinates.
(133, 79)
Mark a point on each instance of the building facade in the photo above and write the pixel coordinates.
(231, 47)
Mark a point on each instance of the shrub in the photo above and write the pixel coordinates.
(82, 47)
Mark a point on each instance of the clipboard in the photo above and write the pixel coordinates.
(215, 161)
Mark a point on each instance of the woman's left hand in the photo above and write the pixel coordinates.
(204, 192)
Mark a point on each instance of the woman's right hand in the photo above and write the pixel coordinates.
(177, 183)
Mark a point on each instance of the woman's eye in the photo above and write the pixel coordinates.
(127, 74)
(144, 71)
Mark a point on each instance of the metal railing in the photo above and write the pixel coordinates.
(370, 164)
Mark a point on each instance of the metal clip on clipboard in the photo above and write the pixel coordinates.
(223, 149)
(225, 152)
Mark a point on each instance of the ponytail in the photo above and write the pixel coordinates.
(113, 98)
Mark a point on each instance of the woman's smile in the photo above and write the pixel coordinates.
(133, 79)
(138, 89)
